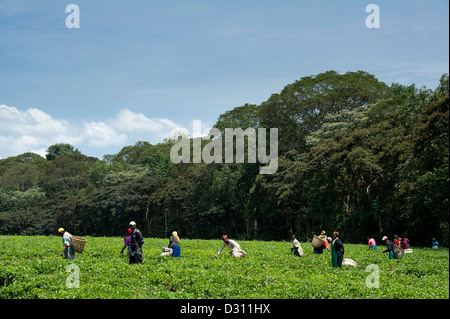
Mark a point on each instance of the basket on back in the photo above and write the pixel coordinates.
(78, 244)
(398, 251)
(317, 242)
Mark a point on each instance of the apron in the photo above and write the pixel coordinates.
(333, 256)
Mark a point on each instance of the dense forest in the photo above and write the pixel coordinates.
(355, 155)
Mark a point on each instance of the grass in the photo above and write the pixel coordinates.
(30, 267)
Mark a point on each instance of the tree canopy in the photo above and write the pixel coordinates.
(355, 155)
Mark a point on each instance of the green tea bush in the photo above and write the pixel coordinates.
(30, 267)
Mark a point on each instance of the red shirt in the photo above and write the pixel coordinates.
(405, 243)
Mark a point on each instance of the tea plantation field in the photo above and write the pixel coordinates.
(30, 267)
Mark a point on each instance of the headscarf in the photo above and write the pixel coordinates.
(323, 232)
(224, 237)
(336, 233)
(384, 238)
(129, 231)
(60, 230)
(176, 235)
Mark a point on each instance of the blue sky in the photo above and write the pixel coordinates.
(136, 70)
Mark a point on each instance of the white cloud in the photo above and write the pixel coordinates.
(128, 125)
(34, 131)
(128, 121)
(31, 130)
(29, 122)
(99, 134)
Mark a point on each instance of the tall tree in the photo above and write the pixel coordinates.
(301, 107)
(60, 149)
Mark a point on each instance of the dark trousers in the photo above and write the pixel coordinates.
(176, 251)
(340, 258)
(136, 259)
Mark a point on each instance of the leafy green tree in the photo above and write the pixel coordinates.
(245, 116)
(29, 198)
(301, 107)
(354, 155)
(60, 149)
(21, 172)
(425, 181)
(67, 172)
(6, 201)
(158, 163)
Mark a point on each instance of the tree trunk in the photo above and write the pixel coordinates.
(165, 222)
(307, 226)
(247, 228)
(380, 225)
(349, 213)
(147, 221)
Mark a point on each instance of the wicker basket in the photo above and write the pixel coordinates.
(398, 251)
(317, 242)
(78, 244)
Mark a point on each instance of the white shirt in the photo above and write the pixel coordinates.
(67, 238)
(232, 244)
(298, 246)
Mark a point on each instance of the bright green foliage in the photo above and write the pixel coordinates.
(355, 155)
(60, 149)
(30, 267)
